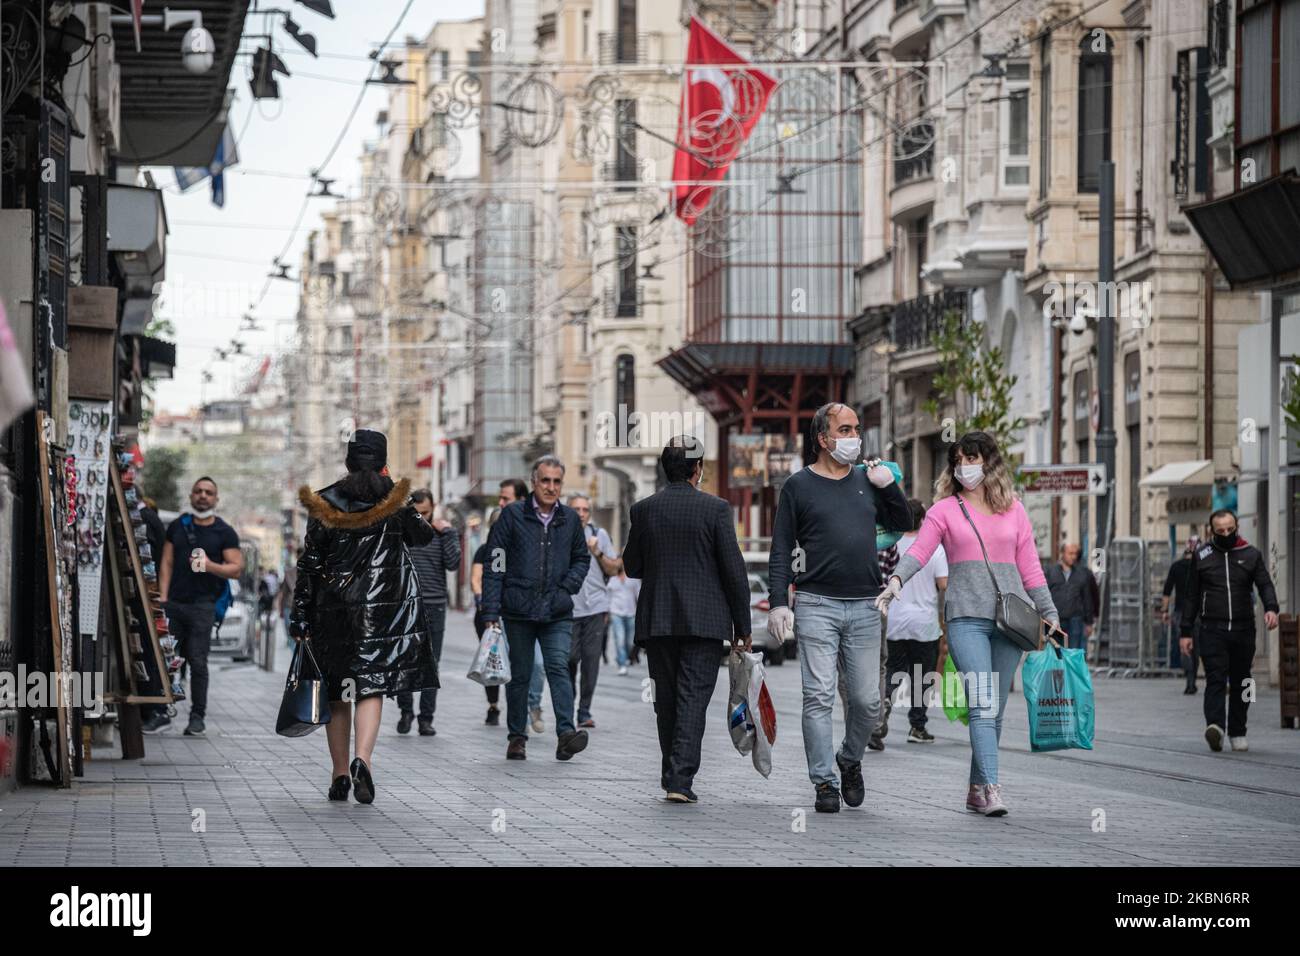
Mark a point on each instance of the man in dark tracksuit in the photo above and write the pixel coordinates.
(432, 562)
(1219, 587)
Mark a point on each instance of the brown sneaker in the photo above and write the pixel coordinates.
(517, 749)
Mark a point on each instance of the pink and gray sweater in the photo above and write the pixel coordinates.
(1009, 539)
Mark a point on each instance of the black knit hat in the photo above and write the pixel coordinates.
(367, 450)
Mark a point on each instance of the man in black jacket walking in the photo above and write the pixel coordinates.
(1219, 585)
(432, 562)
(538, 561)
(694, 595)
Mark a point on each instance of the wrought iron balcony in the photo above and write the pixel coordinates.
(914, 152)
(916, 322)
(623, 48)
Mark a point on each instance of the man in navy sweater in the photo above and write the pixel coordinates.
(824, 542)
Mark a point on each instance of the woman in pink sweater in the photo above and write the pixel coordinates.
(986, 658)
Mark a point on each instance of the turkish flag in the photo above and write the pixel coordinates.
(722, 100)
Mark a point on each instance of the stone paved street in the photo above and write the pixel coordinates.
(1165, 798)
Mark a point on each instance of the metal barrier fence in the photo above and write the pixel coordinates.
(1135, 642)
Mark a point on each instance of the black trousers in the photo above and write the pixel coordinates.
(191, 625)
(1227, 656)
(435, 620)
(914, 659)
(684, 671)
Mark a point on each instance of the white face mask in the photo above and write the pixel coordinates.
(846, 450)
(970, 475)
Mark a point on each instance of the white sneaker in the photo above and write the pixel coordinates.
(1238, 743)
(622, 670)
(538, 726)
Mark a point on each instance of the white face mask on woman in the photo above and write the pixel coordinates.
(970, 476)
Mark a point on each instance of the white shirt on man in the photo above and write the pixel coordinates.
(914, 614)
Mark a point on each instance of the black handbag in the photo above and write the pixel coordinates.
(1013, 615)
(305, 705)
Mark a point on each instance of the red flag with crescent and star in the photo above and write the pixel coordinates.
(723, 97)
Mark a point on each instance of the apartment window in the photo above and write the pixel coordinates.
(474, 59)
(441, 65)
(625, 165)
(1268, 129)
(1094, 107)
(586, 32)
(626, 239)
(1045, 119)
(625, 385)
(1015, 121)
(920, 232)
(625, 50)
(1133, 422)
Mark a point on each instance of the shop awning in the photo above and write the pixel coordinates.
(157, 357)
(1181, 474)
(1252, 232)
(425, 462)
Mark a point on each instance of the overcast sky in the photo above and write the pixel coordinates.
(218, 259)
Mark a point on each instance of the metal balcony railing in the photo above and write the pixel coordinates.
(917, 321)
(622, 172)
(622, 47)
(914, 153)
(624, 306)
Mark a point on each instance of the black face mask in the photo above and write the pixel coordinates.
(1224, 542)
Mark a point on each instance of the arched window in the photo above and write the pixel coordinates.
(1094, 106)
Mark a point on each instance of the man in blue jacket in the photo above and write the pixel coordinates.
(538, 559)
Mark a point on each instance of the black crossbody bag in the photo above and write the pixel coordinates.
(1013, 615)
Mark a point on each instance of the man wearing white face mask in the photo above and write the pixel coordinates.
(824, 542)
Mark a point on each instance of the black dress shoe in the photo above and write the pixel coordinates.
(362, 782)
(575, 741)
(493, 716)
(339, 788)
(404, 722)
(426, 728)
(1189, 689)
(683, 795)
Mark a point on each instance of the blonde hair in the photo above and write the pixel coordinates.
(998, 489)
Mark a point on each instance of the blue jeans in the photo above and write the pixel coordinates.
(624, 631)
(539, 678)
(1073, 626)
(987, 663)
(553, 639)
(843, 634)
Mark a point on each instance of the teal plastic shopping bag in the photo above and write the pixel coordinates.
(1058, 692)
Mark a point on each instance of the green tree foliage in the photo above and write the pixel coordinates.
(163, 468)
(973, 381)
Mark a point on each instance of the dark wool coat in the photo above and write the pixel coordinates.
(357, 596)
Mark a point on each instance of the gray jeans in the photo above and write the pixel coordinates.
(844, 635)
(588, 642)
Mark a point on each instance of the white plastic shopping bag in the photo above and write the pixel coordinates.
(751, 716)
(491, 664)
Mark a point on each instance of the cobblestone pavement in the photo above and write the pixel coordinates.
(1165, 798)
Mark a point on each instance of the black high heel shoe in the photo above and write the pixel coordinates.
(362, 781)
(339, 788)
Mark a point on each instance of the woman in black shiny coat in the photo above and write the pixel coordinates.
(358, 601)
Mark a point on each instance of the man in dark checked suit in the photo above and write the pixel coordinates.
(694, 595)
